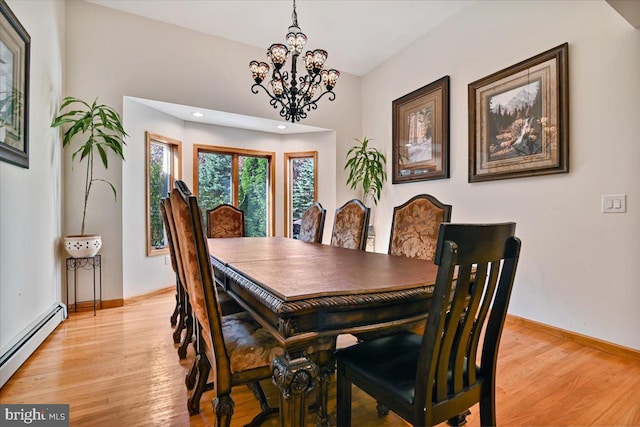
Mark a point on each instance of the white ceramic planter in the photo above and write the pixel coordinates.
(83, 246)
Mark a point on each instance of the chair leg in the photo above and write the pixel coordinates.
(488, 403)
(176, 310)
(188, 336)
(223, 407)
(343, 398)
(256, 388)
(192, 375)
(193, 404)
(383, 411)
(460, 419)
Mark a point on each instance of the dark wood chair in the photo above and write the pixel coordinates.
(431, 378)
(415, 225)
(225, 221)
(351, 226)
(239, 349)
(312, 224)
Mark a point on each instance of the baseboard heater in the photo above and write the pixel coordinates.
(30, 340)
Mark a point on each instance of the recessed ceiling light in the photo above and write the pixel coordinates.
(197, 114)
(281, 127)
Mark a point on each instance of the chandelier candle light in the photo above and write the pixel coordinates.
(292, 99)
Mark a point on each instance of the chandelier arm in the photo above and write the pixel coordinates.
(332, 97)
(274, 100)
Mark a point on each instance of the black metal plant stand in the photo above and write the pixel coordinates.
(88, 263)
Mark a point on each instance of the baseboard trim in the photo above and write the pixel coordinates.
(160, 291)
(588, 341)
(84, 306)
(18, 353)
(88, 305)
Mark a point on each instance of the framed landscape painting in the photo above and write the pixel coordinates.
(420, 123)
(519, 119)
(15, 46)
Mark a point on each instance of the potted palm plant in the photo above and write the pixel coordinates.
(367, 169)
(102, 127)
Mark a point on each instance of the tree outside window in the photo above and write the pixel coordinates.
(163, 167)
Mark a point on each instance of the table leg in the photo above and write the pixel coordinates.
(326, 366)
(295, 379)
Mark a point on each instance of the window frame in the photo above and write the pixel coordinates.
(288, 196)
(236, 153)
(175, 148)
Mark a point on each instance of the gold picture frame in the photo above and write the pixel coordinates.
(519, 119)
(420, 123)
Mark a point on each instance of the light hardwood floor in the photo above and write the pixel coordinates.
(121, 368)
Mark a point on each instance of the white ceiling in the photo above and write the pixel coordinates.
(358, 34)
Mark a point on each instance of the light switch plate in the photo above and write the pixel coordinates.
(614, 203)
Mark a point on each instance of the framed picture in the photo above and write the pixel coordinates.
(421, 134)
(519, 119)
(15, 46)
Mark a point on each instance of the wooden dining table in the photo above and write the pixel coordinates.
(306, 294)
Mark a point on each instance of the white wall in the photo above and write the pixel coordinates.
(30, 199)
(142, 274)
(147, 59)
(576, 269)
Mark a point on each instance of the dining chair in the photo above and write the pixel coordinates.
(350, 226)
(414, 234)
(237, 348)
(178, 311)
(312, 224)
(415, 225)
(430, 378)
(225, 221)
(185, 320)
(227, 304)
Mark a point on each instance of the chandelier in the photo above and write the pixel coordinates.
(297, 95)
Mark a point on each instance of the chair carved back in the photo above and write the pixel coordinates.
(200, 280)
(415, 225)
(225, 221)
(350, 226)
(448, 355)
(312, 224)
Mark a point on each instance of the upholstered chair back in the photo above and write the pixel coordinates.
(350, 226)
(225, 221)
(415, 225)
(200, 280)
(312, 224)
(174, 247)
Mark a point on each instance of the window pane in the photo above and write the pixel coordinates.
(302, 190)
(214, 180)
(160, 174)
(252, 194)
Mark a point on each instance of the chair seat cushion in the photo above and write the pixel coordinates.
(391, 362)
(248, 344)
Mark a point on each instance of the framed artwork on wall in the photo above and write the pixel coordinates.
(420, 123)
(15, 46)
(519, 119)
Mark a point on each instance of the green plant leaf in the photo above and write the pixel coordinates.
(103, 156)
(115, 197)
